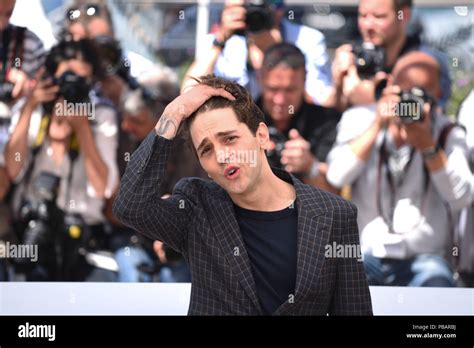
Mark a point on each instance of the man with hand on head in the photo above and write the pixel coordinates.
(254, 238)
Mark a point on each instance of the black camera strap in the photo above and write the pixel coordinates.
(383, 163)
(18, 34)
(73, 154)
(4, 54)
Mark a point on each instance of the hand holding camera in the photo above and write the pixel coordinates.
(410, 109)
(44, 90)
(232, 19)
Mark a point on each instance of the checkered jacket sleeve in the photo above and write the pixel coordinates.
(351, 295)
(139, 204)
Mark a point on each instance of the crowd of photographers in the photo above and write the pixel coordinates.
(369, 124)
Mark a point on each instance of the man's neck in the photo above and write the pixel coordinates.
(269, 193)
(393, 51)
(283, 126)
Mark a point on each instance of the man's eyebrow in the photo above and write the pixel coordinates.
(225, 133)
(222, 134)
(202, 144)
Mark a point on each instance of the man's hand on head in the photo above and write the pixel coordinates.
(184, 105)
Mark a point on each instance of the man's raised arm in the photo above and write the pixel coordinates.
(138, 203)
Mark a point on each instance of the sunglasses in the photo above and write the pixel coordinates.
(86, 11)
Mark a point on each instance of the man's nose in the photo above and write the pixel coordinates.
(369, 22)
(126, 125)
(279, 98)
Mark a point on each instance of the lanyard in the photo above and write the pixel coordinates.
(383, 162)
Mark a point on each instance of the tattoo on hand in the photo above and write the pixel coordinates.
(165, 124)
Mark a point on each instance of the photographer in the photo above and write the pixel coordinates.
(22, 53)
(63, 148)
(359, 70)
(92, 20)
(409, 174)
(302, 133)
(466, 222)
(246, 30)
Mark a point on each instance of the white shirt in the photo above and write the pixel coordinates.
(232, 62)
(420, 218)
(466, 221)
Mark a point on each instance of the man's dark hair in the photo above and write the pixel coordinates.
(84, 50)
(399, 4)
(244, 107)
(284, 53)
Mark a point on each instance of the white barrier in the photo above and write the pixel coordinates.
(31, 298)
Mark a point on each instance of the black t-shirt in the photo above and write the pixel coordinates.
(316, 124)
(270, 239)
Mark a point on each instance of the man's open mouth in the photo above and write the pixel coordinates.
(231, 172)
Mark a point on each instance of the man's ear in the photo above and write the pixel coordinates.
(263, 136)
(404, 15)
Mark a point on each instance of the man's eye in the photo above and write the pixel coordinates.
(230, 139)
(205, 151)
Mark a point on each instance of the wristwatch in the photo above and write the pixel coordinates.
(314, 170)
(217, 43)
(429, 152)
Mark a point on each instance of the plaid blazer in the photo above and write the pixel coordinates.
(198, 220)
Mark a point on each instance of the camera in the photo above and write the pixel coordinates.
(59, 236)
(259, 17)
(369, 59)
(6, 89)
(274, 156)
(42, 215)
(74, 88)
(410, 107)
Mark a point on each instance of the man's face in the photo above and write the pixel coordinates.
(77, 66)
(98, 26)
(407, 79)
(138, 125)
(283, 91)
(228, 151)
(6, 10)
(378, 21)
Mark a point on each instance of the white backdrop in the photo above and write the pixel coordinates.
(29, 298)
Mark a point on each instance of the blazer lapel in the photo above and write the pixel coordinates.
(225, 226)
(314, 229)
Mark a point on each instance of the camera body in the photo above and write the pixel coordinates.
(59, 236)
(259, 17)
(42, 215)
(6, 89)
(74, 88)
(369, 59)
(274, 156)
(410, 107)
